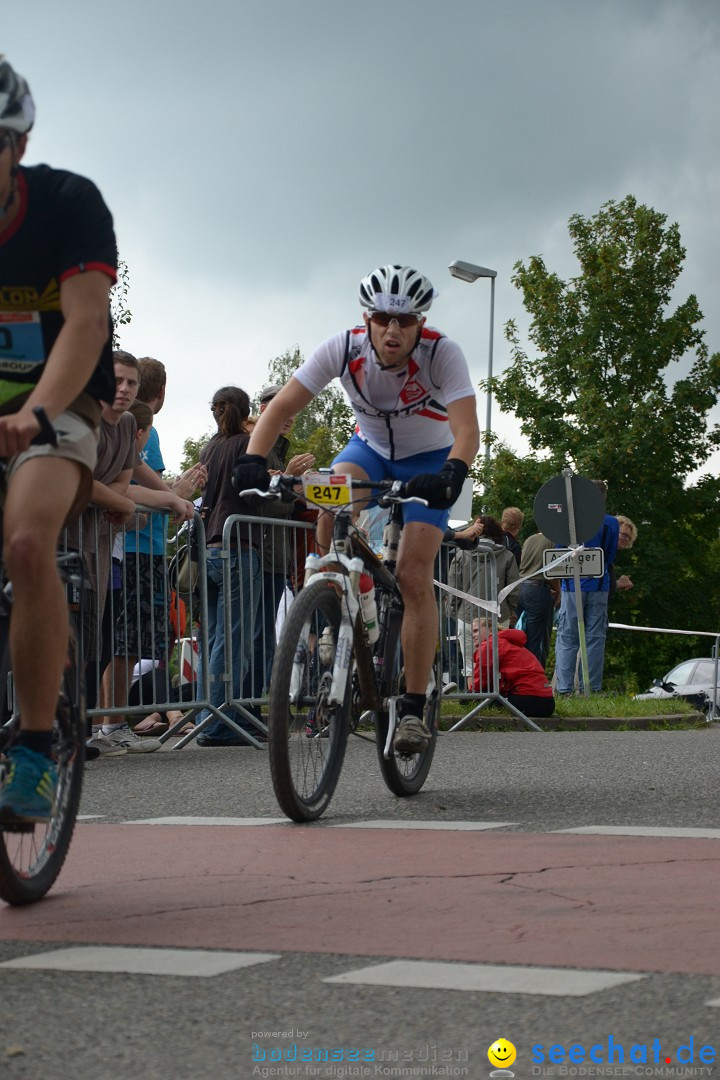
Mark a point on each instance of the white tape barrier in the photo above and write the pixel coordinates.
(494, 605)
(662, 629)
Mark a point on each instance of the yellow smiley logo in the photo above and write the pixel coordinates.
(502, 1053)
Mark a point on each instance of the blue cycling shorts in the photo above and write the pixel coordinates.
(376, 467)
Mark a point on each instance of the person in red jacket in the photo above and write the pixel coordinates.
(522, 677)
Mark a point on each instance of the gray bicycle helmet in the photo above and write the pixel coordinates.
(17, 109)
(396, 288)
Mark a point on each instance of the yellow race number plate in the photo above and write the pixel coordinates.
(324, 490)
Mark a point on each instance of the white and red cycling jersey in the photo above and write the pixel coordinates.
(399, 413)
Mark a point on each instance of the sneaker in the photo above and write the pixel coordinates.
(411, 736)
(450, 688)
(28, 794)
(126, 738)
(101, 746)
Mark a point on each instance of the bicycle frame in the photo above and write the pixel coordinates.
(348, 640)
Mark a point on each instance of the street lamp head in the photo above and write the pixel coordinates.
(466, 271)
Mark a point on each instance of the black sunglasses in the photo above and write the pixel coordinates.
(384, 318)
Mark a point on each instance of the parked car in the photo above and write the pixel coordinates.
(691, 680)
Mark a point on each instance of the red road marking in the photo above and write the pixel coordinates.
(507, 898)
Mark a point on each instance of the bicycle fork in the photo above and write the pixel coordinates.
(344, 647)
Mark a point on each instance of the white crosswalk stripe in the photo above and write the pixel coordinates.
(457, 826)
(208, 821)
(486, 978)
(201, 963)
(643, 830)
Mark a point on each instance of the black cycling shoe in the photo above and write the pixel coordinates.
(215, 740)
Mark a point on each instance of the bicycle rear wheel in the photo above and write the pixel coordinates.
(404, 774)
(30, 860)
(307, 736)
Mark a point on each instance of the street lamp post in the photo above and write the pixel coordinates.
(470, 272)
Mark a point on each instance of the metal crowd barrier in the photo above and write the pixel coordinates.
(466, 584)
(167, 651)
(131, 622)
(211, 659)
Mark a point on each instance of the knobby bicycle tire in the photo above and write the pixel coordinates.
(404, 774)
(307, 737)
(31, 861)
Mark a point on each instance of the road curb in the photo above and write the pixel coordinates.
(666, 721)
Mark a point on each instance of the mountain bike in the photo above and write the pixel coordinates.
(32, 856)
(327, 674)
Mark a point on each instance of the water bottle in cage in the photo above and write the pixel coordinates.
(299, 664)
(368, 608)
(391, 540)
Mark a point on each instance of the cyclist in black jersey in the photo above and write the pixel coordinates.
(58, 260)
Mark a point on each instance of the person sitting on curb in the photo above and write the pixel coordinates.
(523, 681)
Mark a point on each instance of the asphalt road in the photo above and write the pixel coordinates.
(319, 902)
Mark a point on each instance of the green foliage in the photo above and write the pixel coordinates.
(121, 314)
(192, 448)
(604, 346)
(601, 393)
(326, 425)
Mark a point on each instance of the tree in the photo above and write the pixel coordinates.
(192, 448)
(598, 395)
(121, 314)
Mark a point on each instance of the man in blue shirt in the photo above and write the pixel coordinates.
(595, 592)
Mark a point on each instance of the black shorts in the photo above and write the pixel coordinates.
(141, 628)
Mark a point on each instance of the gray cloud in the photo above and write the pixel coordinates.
(260, 157)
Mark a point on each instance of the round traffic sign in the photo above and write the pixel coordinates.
(550, 509)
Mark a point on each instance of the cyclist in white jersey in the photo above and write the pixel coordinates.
(410, 389)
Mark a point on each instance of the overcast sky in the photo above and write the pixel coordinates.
(260, 156)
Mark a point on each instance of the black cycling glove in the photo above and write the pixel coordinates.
(440, 489)
(250, 471)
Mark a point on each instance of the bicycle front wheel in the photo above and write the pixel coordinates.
(307, 735)
(30, 860)
(404, 774)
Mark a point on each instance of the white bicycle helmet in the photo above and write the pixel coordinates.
(396, 288)
(17, 109)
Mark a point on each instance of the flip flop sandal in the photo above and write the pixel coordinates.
(157, 727)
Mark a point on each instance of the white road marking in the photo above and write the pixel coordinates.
(208, 821)
(458, 826)
(486, 978)
(644, 830)
(195, 962)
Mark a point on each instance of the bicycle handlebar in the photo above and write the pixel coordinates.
(282, 486)
(47, 433)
